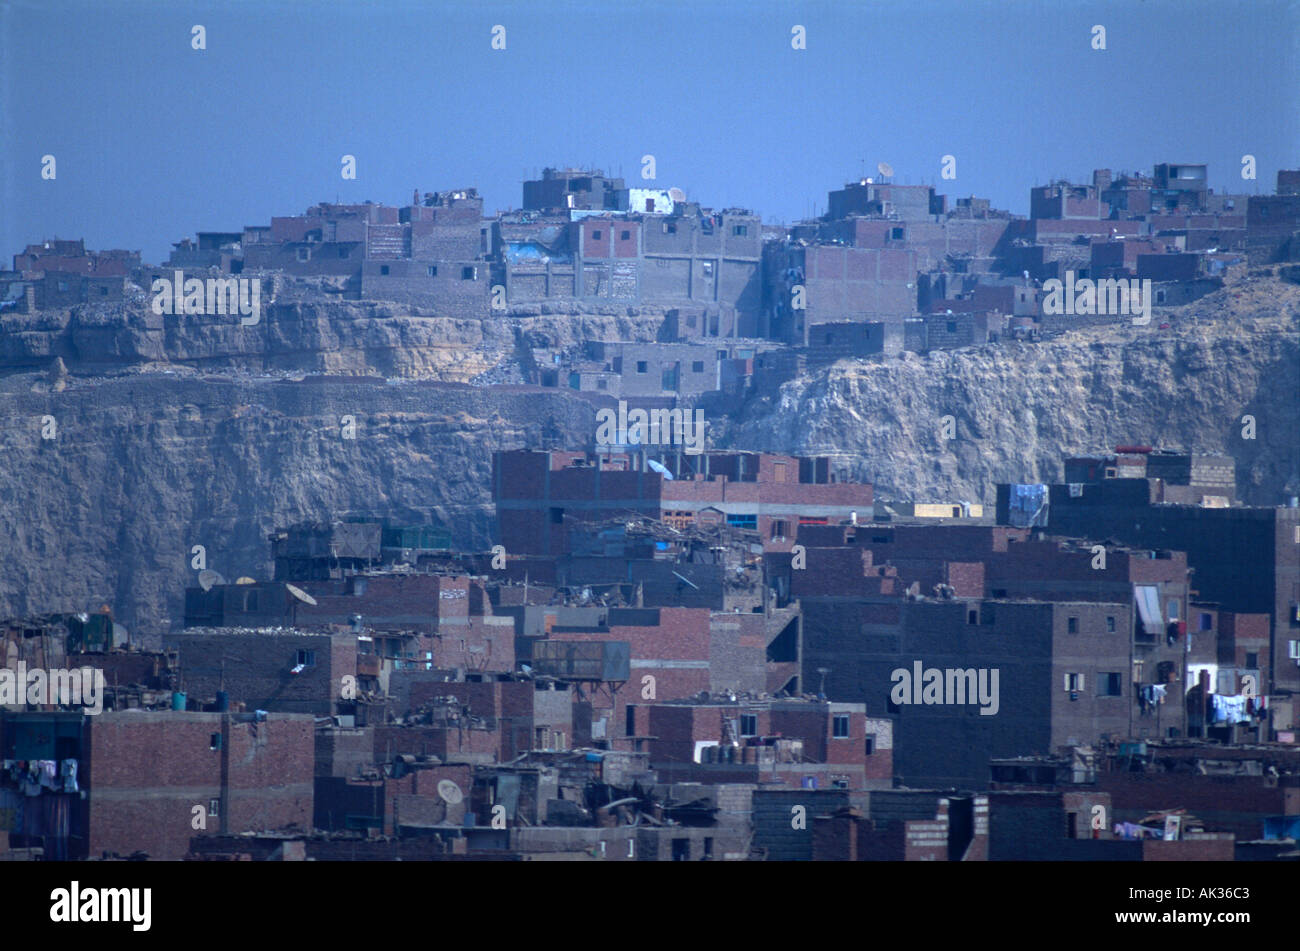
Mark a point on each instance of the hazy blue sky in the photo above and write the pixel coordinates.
(155, 140)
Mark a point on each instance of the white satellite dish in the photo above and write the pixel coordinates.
(885, 169)
(676, 194)
(300, 594)
(208, 578)
(449, 792)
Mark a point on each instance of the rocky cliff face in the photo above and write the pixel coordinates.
(1018, 408)
(328, 336)
(196, 432)
(141, 468)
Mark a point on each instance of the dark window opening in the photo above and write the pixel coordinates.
(214, 741)
(1072, 625)
(557, 516)
(383, 268)
(749, 724)
(840, 726)
(624, 235)
(697, 366)
(469, 274)
(640, 366)
(433, 270)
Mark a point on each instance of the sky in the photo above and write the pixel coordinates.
(154, 140)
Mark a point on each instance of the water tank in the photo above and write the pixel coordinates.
(178, 700)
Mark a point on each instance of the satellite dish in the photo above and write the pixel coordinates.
(885, 169)
(300, 594)
(676, 194)
(244, 579)
(208, 578)
(449, 792)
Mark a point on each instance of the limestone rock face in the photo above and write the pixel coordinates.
(1019, 408)
(175, 432)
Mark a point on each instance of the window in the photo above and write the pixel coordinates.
(1206, 622)
(869, 746)
(103, 292)
(214, 741)
(214, 808)
(1160, 297)
(952, 326)
(743, 521)
(840, 726)
(670, 228)
(779, 528)
(624, 235)
(749, 724)
(999, 592)
(629, 725)
(1173, 610)
(469, 274)
(306, 658)
(1110, 685)
(640, 366)
(304, 254)
(601, 384)
(383, 268)
(896, 234)
(433, 270)
(697, 366)
(740, 231)
(972, 616)
(1073, 682)
(650, 205)
(1072, 625)
(595, 236)
(557, 516)
(1252, 661)
(1110, 624)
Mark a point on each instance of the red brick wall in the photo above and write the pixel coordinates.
(145, 772)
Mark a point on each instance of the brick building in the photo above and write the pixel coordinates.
(279, 671)
(536, 492)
